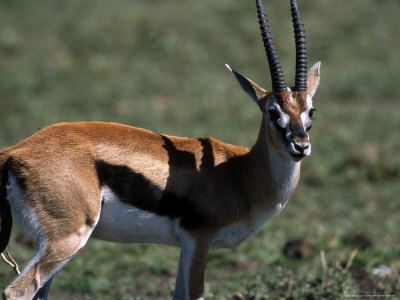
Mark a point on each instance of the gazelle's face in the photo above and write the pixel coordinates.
(288, 113)
(289, 116)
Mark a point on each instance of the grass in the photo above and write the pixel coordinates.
(160, 65)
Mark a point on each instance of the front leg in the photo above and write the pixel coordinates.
(43, 292)
(192, 264)
(179, 292)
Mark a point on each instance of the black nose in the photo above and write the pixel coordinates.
(300, 138)
(301, 147)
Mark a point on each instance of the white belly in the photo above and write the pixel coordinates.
(123, 223)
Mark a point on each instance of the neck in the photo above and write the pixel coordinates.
(276, 174)
(285, 174)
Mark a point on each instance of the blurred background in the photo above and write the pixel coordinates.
(160, 65)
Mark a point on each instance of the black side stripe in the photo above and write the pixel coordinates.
(134, 189)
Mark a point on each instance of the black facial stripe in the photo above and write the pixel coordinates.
(311, 113)
(274, 115)
(281, 130)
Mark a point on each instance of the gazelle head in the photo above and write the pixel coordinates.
(288, 111)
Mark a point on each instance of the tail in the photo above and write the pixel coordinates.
(5, 210)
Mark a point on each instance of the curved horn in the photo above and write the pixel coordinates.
(278, 82)
(301, 50)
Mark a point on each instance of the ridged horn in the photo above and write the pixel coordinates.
(278, 82)
(301, 50)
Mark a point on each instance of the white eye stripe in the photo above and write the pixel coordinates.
(284, 119)
(305, 118)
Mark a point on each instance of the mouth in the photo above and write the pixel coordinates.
(297, 156)
(297, 153)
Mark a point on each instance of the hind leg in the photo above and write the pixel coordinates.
(50, 258)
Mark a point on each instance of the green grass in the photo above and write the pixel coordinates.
(160, 65)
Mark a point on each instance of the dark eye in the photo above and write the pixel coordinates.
(311, 113)
(274, 115)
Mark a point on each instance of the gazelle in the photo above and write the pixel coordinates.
(123, 184)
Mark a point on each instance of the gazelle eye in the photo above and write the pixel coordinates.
(274, 115)
(311, 113)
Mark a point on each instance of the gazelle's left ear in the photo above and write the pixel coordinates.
(313, 79)
(250, 87)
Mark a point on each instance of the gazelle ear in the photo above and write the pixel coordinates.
(251, 88)
(313, 79)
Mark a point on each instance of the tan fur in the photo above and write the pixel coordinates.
(55, 168)
(52, 161)
(313, 78)
(293, 104)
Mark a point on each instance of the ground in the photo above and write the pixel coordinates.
(160, 65)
